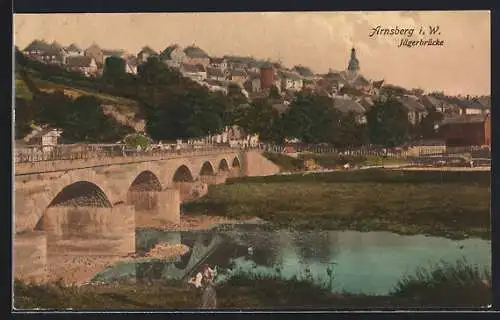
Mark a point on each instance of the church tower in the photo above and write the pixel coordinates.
(353, 66)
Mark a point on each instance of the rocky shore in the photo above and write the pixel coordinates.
(79, 268)
(188, 222)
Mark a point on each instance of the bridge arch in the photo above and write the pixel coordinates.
(146, 181)
(142, 192)
(207, 169)
(183, 174)
(77, 194)
(236, 163)
(223, 165)
(81, 194)
(183, 180)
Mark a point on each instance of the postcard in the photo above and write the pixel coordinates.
(311, 160)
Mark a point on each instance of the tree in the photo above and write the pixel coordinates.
(393, 91)
(114, 69)
(312, 119)
(260, 118)
(85, 121)
(235, 96)
(388, 123)
(351, 132)
(427, 127)
(234, 99)
(155, 72)
(24, 117)
(51, 108)
(136, 139)
(187, 114)
(274, 93)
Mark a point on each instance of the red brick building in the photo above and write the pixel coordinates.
(467, 130)
(267, 77)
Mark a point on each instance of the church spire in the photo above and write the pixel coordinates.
(353, 66)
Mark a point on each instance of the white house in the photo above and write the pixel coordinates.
(44, 52)
(72, 51)
(234, 137)
(145, 53)
(131, 67)
(214, 85)
(256, 85)
(46, 138)
(346, 105)
(216, 74)
(131, 64)
(173, 56)
(218, 63)
(195, 72)
(416, 110)
(470, 106)
(238, 76)
(291, 81)
(83, 64)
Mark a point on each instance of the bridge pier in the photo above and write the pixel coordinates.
(191, 190)
(30, 256)
(214, 179)
(162, 205)
(90, 230)
(234, 172)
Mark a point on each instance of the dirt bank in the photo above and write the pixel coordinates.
(74, 268)
(165, 251)
(188, 222)
(79, 269)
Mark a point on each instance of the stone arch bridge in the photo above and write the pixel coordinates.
(102, 197)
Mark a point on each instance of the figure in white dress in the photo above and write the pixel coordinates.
(205, 280)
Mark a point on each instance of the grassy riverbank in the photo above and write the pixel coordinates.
(328, 160)
(456, 285)
(450, 204)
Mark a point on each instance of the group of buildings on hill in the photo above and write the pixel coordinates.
(349, 90)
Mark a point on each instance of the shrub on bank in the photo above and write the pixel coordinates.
(286, 163)
(334, 160)
(444, 285)
(456, 282)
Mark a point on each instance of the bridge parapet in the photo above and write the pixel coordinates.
(93, 161)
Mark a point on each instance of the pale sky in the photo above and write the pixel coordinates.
(319, 40)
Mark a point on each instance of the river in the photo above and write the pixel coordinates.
(360, 262)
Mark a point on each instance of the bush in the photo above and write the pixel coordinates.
(136, 139)
(334, 160)
(455, 283)
(285, 163)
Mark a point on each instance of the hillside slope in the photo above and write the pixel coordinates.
(123, 110)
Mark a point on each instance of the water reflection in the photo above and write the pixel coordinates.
(316, 246)
(356, 262)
